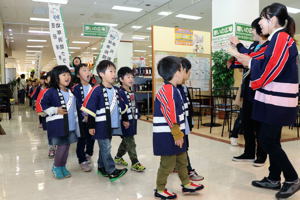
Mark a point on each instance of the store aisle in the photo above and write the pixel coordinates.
(25, 170)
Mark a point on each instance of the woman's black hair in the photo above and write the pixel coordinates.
(75, 59)
(168, 66)
(123, 71)
(280, 11)
(186, 64)
(103, 65)
(55, 72)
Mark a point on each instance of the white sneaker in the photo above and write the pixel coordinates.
(85, 167)
(234, 141)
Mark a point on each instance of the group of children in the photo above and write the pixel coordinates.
(86, 112)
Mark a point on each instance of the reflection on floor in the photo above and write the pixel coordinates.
(25, 168)
(288, 133)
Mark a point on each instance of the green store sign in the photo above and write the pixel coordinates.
(95, 30)
(223, 30)
(243, 32)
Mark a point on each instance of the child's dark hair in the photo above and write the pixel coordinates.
(22, 76)
(123, 71)
(186, 64)
(103, 65)
(55, 72)
(280, 11)
(168, 66)
(75, 59)
(78, 68)
(255, 25)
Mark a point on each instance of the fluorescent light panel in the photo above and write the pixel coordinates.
(188, 16)
(139, 37)
(293, 10)
(141, 51)
(33, 40)
(80, 42)
(34, 46)
(105, 24)
(52, 1)
(164, 13)
(129, 9)
(39, 19)
(136, 27)
(74, 47)
(33, 51)
(39, 32)
(94, 48)
(149, 28)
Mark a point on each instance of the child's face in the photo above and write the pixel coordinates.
(42, 81)
(186, 75)
(84, 74)
(127, 80)
(76, 61)
(109, 76)
(64, 79)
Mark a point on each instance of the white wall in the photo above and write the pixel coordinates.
(124, 55)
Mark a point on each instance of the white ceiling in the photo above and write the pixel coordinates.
(16, 14)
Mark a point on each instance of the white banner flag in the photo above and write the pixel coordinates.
(109, 47)
(57, 34)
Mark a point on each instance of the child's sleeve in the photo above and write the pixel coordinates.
(38, 106)
(46, 104)
(266, 70)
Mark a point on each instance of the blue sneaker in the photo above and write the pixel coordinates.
(57, 172)
(65, 172)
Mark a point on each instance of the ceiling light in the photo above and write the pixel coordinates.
(32, 40)
(70, 52)
(33, 51)
(40, 32)
(139, 37)
(12, 41)
(80, 42)
(34, 46)
(150, 46)
(188, 16)
(10, 34)
(164, 13)
(141, 51)
(11, 37)
(105, 24)
(74, 47)
(149, 28)
(124, 8)
(136, 27)
(52, 1)
(94, 48)
(9, 30)
(39, 19)
(293, 10)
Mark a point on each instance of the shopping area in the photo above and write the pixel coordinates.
(37, 35)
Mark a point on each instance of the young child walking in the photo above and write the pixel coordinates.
(126, 78)
(85, 144)
(188, 109)
(59, 104)
(105, 109)
(169, 128)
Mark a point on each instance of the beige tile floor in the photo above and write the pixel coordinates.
(25, 170)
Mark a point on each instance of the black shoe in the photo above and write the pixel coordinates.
(118, 173)
(243, 158)
(102, 171)
(267, 183)
(259, 162)
(288, 189)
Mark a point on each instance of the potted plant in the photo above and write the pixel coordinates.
(222, 77)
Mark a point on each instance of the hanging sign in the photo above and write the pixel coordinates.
(109, 47)
(95, 30)
(58, 36)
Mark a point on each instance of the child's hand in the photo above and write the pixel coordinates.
(126, 125)
(92, 131)
(61, 111)
(179, 142)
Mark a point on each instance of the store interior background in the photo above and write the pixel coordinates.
(135, 49)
